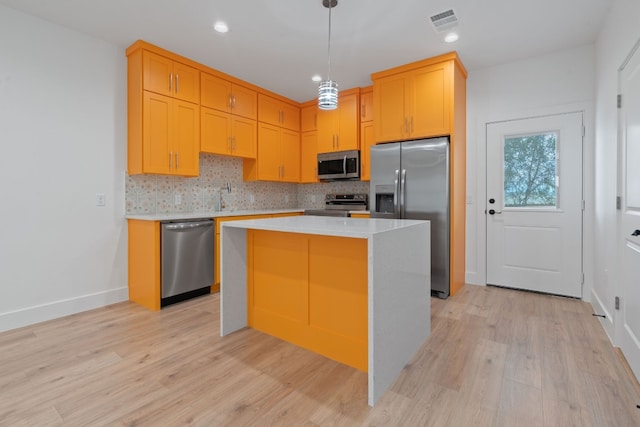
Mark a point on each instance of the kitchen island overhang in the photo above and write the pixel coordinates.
(397, 290)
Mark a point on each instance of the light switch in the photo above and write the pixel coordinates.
(100, 199)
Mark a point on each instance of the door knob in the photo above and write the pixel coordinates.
(494, 212)
(492, 201)
(636, 233)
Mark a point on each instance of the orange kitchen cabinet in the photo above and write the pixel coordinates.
(366, 141)
(278, 156)
(309, 116)
(165, 76)
(163, 113)
(144, 263)
(278, 113)
(366, 104)
(218, 221)
(170, 136)
(413, 104)
(309, 157)
(338, 129)
(229, 97)
(293, 295)
(227, 134)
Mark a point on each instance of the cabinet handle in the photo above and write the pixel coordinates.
(337, 141)
(170, 159)
(234, 102)
(229, 143)
(362, 111)
(177, 161)
(170, 81)
(235, 144)
(230, 101)
(177, 83)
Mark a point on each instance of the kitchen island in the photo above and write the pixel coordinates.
(354, 290)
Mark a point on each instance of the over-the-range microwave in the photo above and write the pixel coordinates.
(339, 165)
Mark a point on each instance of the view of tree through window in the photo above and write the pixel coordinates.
(530, 171)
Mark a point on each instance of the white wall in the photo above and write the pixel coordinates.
(617, 37)
(559, 82)
(63, 139)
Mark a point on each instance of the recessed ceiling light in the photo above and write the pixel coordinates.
(451, 37)
(316, 78)
(221, 27)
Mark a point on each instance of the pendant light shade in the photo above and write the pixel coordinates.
(328, 89)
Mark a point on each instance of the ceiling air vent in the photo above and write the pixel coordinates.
(444, 20)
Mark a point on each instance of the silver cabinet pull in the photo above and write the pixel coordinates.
(177, 83)
(230, 101)
(177, 161)
(170, 159)
(234, 102)
(170, 81)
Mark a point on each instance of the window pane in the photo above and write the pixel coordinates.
(530, 171)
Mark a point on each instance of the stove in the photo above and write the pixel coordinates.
(340, 205)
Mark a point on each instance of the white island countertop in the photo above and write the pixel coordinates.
(209, 214)
(362, 228)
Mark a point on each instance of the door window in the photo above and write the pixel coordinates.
(530, 171)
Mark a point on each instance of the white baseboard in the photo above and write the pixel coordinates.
(473, 278)
(607, 323)
(56, 309)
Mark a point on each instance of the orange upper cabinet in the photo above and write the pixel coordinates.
(309, 117)
(338, 129)
(172, 78)
(229, 97)
(278, 113)
(278, 156)
(309, 157)
(413, 102)
(227, 134)
(366, 104)
(163, 114)
(366, 141)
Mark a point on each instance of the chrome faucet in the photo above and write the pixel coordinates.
(227, 186)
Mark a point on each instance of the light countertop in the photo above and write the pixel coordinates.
(211, 214)
(329, 226)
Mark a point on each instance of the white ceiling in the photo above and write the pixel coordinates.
(280, 44)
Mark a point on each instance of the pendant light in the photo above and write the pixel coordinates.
(328, 89)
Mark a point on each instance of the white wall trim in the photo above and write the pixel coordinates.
(587, 108)
(40, 313)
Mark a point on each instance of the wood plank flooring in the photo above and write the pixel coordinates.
(496, 357)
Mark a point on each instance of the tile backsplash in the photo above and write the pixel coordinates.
(162, 194)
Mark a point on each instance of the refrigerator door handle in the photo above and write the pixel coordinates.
(396, 191)
(403, 181)
(344, 166)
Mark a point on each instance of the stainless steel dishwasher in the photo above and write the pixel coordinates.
(187, 259)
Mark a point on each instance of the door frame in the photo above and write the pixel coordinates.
(479, 277)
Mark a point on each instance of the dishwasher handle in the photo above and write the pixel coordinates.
(185, 225)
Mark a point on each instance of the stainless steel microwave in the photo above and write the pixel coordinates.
(339, 165)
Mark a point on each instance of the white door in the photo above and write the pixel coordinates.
(629, 219)
(534, 204)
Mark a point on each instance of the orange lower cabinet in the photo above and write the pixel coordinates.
(144, 263)
(360, 215)
(295, 296)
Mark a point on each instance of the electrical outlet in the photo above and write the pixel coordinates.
(177, 199)
(100, 199)
(469, 200)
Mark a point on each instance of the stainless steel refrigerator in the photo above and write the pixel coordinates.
(411, 180)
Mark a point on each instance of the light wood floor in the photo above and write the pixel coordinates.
(496, 357)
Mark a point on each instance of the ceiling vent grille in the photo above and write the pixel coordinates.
(444, 20)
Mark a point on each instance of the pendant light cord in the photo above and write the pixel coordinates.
(329, 43)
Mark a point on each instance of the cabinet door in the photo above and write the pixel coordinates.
(430, 102)
(309, 157)
(215, 131)
(327, 130)
(366, 106)
(290, 150)
(186, 81)
(157, 73)
(157, 154)
(348, 125)
(389, 108)
(244, 137)
(186, 130)
(269, 110)
(290, 116)
(366, 141)
(309, 118)
(244, 102)
(215, 92)
(268, 152)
